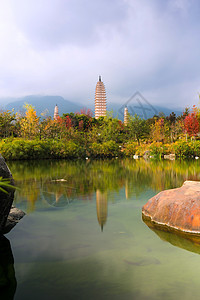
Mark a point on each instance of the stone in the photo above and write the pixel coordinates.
(14, 216)
(146, 154)
(176, 209)
(170, 156)
(6, 199)
(4, 170)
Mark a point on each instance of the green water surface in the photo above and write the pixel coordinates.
(83, 236)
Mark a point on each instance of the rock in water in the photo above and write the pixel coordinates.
(176, 209)
(6, 199)
(14, 216)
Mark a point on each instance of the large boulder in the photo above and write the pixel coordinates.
(176, 209)
(8, 282)
(6, 199)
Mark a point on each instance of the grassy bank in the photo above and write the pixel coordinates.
(18, 148)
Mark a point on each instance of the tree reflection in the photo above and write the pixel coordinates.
(69, 180)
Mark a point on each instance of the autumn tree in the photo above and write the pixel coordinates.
(55, 129)
(158, 130)
(86, 112)
(191, 123)
(68, 122)
(29, 124)
(82, 120)
(48, 128)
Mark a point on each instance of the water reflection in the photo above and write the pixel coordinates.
(102, 207)
(189, 242)
(126, 189)
(59, 183)
(8, 282)
(60, 251)
(55, 199)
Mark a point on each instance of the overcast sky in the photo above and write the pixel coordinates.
(59, 47)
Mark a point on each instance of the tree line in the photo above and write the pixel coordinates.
(105, 136)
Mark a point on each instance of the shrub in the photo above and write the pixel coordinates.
(141, 149)
(106, 149)
(67, 149)
(129, 149)
(156, 149)
(36, 149)
(196, 148)
(168, 148)
(183, 149)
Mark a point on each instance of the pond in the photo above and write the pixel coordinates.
(83, 236)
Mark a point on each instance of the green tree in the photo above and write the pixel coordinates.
(105, 129)
(7, 126)
(138, 128)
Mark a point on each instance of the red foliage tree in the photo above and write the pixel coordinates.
(59, 120)
(80, 125)
(191, 123)
(121, 124)
(68, 122)
(86, 112)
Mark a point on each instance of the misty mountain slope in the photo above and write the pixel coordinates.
(43, 103)
(142, 112)
(47, 103)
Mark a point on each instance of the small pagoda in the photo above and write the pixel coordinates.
(56, 115)
(126, 116)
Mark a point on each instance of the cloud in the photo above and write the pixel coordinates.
(50, 23)
(60, 47)
(182, 6)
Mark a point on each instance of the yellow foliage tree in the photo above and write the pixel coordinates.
(158, 130)
(49, 128)
(29, 124)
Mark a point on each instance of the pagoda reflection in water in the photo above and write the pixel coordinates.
(102, 207)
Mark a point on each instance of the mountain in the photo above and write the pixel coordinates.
(44, 103)
(47, 103)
